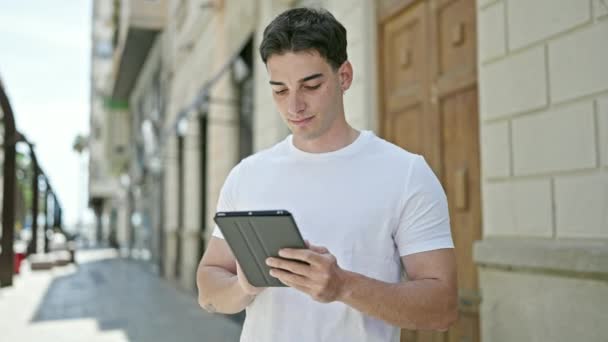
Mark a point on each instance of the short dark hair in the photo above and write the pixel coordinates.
(302, 29)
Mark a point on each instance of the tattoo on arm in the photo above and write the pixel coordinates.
(210, 308)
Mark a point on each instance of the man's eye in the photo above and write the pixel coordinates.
(280, 92)
(313, 87)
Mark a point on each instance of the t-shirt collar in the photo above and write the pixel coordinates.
(350, 149)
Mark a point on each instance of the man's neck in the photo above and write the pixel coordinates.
(332, 140)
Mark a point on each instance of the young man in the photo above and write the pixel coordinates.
(368, 208)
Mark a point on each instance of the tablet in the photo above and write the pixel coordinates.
(254, 236)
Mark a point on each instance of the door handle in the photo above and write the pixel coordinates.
(458, 34)
(405, 58)
(461, 189)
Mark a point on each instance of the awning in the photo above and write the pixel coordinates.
(137, 30)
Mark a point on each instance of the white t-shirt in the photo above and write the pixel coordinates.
(369, 203)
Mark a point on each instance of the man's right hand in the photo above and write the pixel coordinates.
(248, 288)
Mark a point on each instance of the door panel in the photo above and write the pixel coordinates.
(429, 106)
(405, 53)
(456, 33)
(406, 128)
(461, 177)
(455, 100)
(460, 151)
(405, 90)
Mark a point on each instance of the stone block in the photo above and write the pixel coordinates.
(518, 208)
(600, 8)
(581, 204)
(565, 256)
(537, 307)
(532, 21)
(495, 150)
(577, 63)
(41, 262)
(491, 30)
(484, 3)
(602, 121)
(512, 85)
(555, 140)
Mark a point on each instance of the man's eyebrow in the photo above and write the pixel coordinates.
(307, 78)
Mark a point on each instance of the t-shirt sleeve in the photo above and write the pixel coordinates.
(424, 223)
(227, 199)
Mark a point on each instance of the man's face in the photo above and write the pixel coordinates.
(306, 91)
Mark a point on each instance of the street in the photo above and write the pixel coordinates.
(104, 298)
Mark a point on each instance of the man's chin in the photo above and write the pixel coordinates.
(305, 134)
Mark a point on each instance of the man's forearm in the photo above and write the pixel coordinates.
(219, 291)
(424, 304)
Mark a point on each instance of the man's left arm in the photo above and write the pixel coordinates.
(426, 301)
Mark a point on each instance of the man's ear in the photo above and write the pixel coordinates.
(345, 73)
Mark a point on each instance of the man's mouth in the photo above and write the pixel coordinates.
(301, 121)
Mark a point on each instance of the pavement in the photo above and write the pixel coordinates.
(105, 298)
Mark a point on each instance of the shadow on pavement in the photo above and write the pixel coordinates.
(120, 294)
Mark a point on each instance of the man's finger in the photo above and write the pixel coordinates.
(305, 255)
(318, 249)
(289, 279)
(296, 286)
(296, 267)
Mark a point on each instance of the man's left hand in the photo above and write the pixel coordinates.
(313, 271)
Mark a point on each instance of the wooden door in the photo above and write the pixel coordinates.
(428, 105)
(406, 83)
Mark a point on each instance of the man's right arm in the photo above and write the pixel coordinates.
(219, 289)
(221, 286)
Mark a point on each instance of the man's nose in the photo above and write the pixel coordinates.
(295, 103)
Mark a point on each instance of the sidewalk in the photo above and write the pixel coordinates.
(104, 298)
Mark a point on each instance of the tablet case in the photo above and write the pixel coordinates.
(254, 236)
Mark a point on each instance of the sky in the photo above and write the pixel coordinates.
(45, 69)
